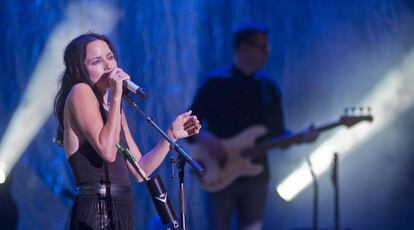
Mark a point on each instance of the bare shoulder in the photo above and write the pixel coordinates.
(81, 93)
(81, 89)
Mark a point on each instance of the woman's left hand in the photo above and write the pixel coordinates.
(184, 125)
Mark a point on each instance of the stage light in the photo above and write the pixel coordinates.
(391, 97)
(37, 103)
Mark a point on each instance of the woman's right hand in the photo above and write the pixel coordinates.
(116, 79)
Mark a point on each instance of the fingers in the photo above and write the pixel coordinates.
(191, 121)
(116, 79)
(312, 126)
(119, 75)
(185, 125)
(186, 114)
(194, 130)
(192, 125)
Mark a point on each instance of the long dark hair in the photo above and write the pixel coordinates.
(75, 72)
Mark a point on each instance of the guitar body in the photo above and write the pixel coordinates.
(239, 147)
(216, 177)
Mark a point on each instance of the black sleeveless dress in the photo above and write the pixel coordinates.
(104, 199)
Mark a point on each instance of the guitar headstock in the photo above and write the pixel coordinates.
(355, 115)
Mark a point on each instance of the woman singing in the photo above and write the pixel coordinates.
(91, 123)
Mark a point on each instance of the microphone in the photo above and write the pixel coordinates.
(135, 89)
(131, 87)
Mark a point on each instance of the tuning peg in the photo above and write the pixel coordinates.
(353, 109)
(346, 111)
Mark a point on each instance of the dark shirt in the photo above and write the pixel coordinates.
(229, 102)
(89, 168)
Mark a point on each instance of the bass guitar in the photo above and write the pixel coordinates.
(242, 148)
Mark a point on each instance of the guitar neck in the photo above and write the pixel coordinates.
(329, 126)
(283, 142)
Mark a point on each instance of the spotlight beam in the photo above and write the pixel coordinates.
(391, 97)
(37, 103)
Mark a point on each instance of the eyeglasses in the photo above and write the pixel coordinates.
(264, 47)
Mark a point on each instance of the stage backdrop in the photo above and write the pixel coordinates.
(325, 55)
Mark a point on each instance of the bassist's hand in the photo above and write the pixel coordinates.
(310, 134)
(213, 145)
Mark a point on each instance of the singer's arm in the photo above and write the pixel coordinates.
(84, 109)
(184, 125)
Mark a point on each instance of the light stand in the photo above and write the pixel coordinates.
(335, 182)
(315, 196)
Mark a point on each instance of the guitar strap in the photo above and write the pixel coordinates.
(267, 97)
(271, 102)
(266, 94)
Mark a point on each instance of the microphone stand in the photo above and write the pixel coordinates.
(182, 158)
(157, 191)
(315, 195)
(180, 163)
(197, 167)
